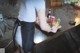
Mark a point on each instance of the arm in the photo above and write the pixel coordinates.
(42, 21)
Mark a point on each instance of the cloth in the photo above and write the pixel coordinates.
(28, 9)
(27, 32)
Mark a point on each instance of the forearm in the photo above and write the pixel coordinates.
(42, 17)
(41, 20)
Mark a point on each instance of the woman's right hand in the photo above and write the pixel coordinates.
(45, 27)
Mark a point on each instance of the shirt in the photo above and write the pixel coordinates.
(28, 10)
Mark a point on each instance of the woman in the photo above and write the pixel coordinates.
(27, 17)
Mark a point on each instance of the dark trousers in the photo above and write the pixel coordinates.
(27, 31)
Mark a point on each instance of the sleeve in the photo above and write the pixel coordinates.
(40, 5)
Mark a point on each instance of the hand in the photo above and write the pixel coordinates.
(54, 29)
(45, 27)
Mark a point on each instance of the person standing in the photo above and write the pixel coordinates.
(29, 9)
